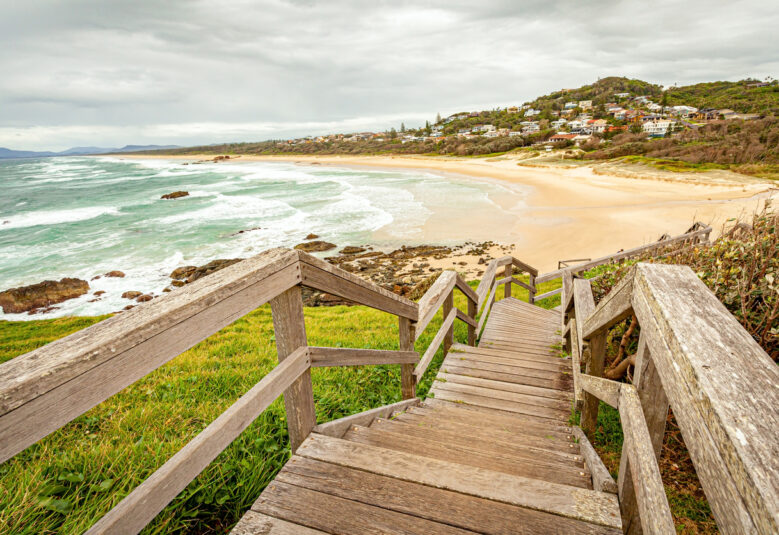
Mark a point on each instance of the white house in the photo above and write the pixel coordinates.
(585, 104)
(570, 105)
(658, 128)
(531, 112)
(559, 123)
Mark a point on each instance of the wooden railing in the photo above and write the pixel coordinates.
(694, 357)
(45, 389)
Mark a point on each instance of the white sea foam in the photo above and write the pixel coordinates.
(54, 217)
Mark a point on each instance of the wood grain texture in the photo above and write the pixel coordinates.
(289, 326)
(602, 389)
(467, 291)
(408, 383)
(434, 299)
(427, 357)
(571, 502)
(337, 428)
(548, 294)
(253, 523)
(722, 387)
(144, 503)
(346, 356)
(601, 478)
(653, 506)
(612, 309)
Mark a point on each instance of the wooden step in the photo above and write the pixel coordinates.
(427, 443)
(430, 503)
(459, 435)
(539, 392)
(567, 501)
(544, 441)
(491, 402)
(514, 375)
(548, 407)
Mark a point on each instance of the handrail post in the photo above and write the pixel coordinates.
(531, 295)
(595, 364)
(290, 330)
(508, 271)
(654, 404)
(447, 308)
(472, 311)
(407, 331)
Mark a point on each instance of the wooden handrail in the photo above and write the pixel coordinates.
(424, 362)
(578, 268)
(694, 356)
(345, 356)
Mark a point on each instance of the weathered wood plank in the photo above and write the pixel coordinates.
(576, 363)
(548, 294)
(524, 267)
(444, 506)
(253, 523)
(562, 382)
(408, 384)
(650, 493)
(467, 291)
(722, 387)
(591, 506)
(331, 514)
(347, 356)
(472, 311)
(508, 271)
(462, 316)
(486, 310)
(446, 311)
(144, 503)
(434, 299)
(601, 478)
(519, 423)
(603, 389)
(424, 362)
(337, 428)
(490, 402)
(323, 276)
(654, 404)
(289, 326)
(487, 280)
(508, 387)
(46, 388)
(612, 309)
(555, 406)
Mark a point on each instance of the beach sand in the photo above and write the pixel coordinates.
(573, 210)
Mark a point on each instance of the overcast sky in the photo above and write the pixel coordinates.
(111, 73)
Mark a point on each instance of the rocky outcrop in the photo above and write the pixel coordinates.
(42, 295)
(131, 294)
(351, 249)
(175, 195)
(115, 273)
(312, 236)
(187, 274)
(315, 246)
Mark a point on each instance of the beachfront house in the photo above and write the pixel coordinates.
(658, 127)
(585, 104)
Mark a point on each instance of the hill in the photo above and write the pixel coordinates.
(79, 151)
(746, 96)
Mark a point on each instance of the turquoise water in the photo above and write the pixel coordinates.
(81, 217)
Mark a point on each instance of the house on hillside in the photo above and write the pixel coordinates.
(682, 111)
(559, 123)
(658, 128)
(570, 105)
(512, 109)
(585, 104)
(597, 125)
(562, 136)
(622, 95)
(706, 114)
(531, 112)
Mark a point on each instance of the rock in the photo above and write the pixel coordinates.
(311, 236)
(115, 273)
(245, 230)
(129, 307)
(131, 294)
(41, 295)
(143, 298)
(350, 249)
(175, 195)
(96, 277)
(482, 261)
(315, 246)
(166, 290)
(182, 272)
(192, 273)
(177, 283)
(98, 293)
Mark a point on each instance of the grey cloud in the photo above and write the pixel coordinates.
(71, 70)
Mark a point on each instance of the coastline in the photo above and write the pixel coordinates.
(573, 211)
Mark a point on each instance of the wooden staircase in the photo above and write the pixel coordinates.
(491, 452)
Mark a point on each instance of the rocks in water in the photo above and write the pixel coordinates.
(175, 195)
(245, 230)
(115, 273)
(143, 298)
(350, 249)
(129, 307)
(131, 294)
(99, 293)
(177, 283)
(187, 274)
(41, 295)
(315, 246)
(312, 236)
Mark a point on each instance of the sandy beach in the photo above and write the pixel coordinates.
(573, 210)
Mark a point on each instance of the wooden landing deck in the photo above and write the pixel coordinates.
(491, 452)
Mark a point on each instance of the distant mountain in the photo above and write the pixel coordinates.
(79, 151)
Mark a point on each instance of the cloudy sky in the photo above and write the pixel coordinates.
(110, 73)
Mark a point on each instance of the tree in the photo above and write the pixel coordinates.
(664, 100)
(428, 129)
(393, 133)
(438, 118)
(402, 128)
(636, 128)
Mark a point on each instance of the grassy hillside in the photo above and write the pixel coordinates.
(68, 480)
(736, 96)
(599, 92)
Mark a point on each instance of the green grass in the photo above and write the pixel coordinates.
(68, 480)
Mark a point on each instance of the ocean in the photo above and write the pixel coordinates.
(84, 216)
